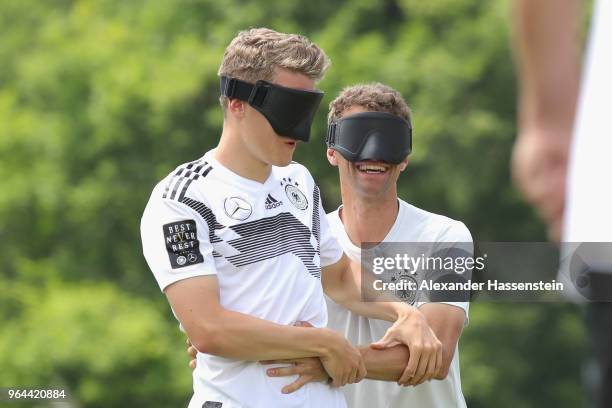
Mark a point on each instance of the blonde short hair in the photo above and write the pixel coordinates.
(254, 54)
(374, 97)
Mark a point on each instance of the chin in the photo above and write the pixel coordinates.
(278, 159)
(279, 162)
(283, 163)
(370, 193)
(282, 160)
(370, 190)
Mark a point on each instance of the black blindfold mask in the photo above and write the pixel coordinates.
(378, 136)
(289, 111)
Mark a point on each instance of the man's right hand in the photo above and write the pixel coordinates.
(342, 361)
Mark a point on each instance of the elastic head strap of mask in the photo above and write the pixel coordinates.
(244, 91)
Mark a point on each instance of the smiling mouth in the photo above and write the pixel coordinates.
(371, 168)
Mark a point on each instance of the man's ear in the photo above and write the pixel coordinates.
(331, 157)
(403, 164)
(236, 107)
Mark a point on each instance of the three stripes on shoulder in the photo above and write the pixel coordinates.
(183, 177)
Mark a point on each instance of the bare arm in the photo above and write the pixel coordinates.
(215, 330)
(388, 364)
(343, 285)
(546, 44)
(342, 282)
(384, 365)
(447, 322)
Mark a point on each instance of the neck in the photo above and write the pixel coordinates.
(368, 219)
(234, 155)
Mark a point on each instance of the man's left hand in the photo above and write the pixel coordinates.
(412, 330)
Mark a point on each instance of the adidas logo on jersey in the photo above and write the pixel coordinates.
(272, 202)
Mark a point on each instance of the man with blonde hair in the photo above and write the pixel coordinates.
(240, 245)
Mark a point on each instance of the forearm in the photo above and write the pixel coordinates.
(387, 364)
(546, 43)
(212, 329)
(447, 322)
(344, 285)
(389, 311)
(243, 337)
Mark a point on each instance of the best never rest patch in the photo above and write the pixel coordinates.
(182, 243)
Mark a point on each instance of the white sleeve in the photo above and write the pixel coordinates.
(330, 248)
(175, 242)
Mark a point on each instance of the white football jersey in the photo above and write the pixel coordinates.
(412, 225)
(266, 243)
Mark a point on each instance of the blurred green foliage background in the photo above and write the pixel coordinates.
(99, 99)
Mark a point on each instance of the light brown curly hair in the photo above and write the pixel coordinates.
(374, 97)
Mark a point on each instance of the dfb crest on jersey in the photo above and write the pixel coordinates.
(407, 295)
(237, 208)
(294, 194)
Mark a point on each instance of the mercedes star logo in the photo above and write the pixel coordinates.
(237, 208)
